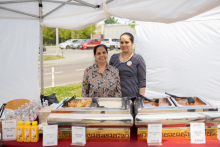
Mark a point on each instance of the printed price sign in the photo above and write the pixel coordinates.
(50, 135)
(78, 136)
(154, 135)
(197, 133)
(9, 129)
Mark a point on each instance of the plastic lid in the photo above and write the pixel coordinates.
(34, 123)
(27, 123)
(20, 123)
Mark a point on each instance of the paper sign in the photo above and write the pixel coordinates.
(154, 134)
(197, 133)
(78, 136)
(50, 135)
(9, 129)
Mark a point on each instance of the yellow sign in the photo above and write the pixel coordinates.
(176, 134)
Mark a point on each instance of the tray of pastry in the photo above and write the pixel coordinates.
(69, 105)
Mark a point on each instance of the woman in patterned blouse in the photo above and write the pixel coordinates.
(101, 79)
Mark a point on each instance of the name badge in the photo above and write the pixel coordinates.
(129, 63)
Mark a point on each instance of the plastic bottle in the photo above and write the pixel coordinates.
(46, 103)
(20, 132)
(27, 132)
(34, 132)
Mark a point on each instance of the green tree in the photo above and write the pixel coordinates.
(131, 23)
(49, 33)
(84, 33)
(111, 20)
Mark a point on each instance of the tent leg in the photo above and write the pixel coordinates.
(41, 47)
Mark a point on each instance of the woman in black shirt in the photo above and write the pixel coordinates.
(131, 66)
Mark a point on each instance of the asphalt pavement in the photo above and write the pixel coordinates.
(70, 69)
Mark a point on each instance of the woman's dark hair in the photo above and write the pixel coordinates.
(95, 48)
(130, 35)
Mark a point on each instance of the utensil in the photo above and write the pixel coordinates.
(150, 100)
(95, 101)
(65, 102)
(189, 99)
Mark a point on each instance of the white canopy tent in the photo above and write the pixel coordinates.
(21, 24)
(182, 58)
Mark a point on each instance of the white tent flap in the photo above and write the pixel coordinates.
(181, 58)
(19, 59)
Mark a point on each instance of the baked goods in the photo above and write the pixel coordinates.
(79, 103)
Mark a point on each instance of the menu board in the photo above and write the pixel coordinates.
(78, 135)
(50, 135)
(197, 133)
(9, 129)
(154, 135)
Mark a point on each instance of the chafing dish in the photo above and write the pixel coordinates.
(182, 119)
(124, 106)
(202, 103)
(174, 115)
(173, 107)
(140, 107)
(93, 116)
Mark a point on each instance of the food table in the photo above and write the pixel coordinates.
(103, 117)
(133, 142)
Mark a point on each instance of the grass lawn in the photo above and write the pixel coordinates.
(49, 57)
(65, 91)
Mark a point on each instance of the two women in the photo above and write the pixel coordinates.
(132, 72)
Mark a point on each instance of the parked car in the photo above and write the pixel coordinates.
(44, 49)
(90, 43)
(67, 44)
(77, 43)
(111, 43)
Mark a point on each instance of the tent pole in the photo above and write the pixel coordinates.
(57, 40)
(41, 47)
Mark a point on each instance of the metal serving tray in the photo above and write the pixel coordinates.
(192, 106)
(60, 109)
(140, 108)
(175, 107)
(124, 106)
(93, 116)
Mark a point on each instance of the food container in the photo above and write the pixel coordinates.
(144, 106)
(175, 118)
(112, 114)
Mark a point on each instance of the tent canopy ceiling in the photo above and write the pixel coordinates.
(78, 14)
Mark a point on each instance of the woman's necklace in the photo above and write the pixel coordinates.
(126, 57)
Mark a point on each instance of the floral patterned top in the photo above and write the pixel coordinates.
(97, 84)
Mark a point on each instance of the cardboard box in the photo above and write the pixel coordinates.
(44, 113)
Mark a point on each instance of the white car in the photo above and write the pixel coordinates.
(111, 43)
(67, 44)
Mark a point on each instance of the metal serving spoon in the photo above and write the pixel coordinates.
(65, 102)
(150, 100)
(189, 99)
(95, 101)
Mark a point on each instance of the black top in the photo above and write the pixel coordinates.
(132, 74)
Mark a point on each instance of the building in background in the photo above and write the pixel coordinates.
(115, 30)
(99, 31)
(112, 31)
